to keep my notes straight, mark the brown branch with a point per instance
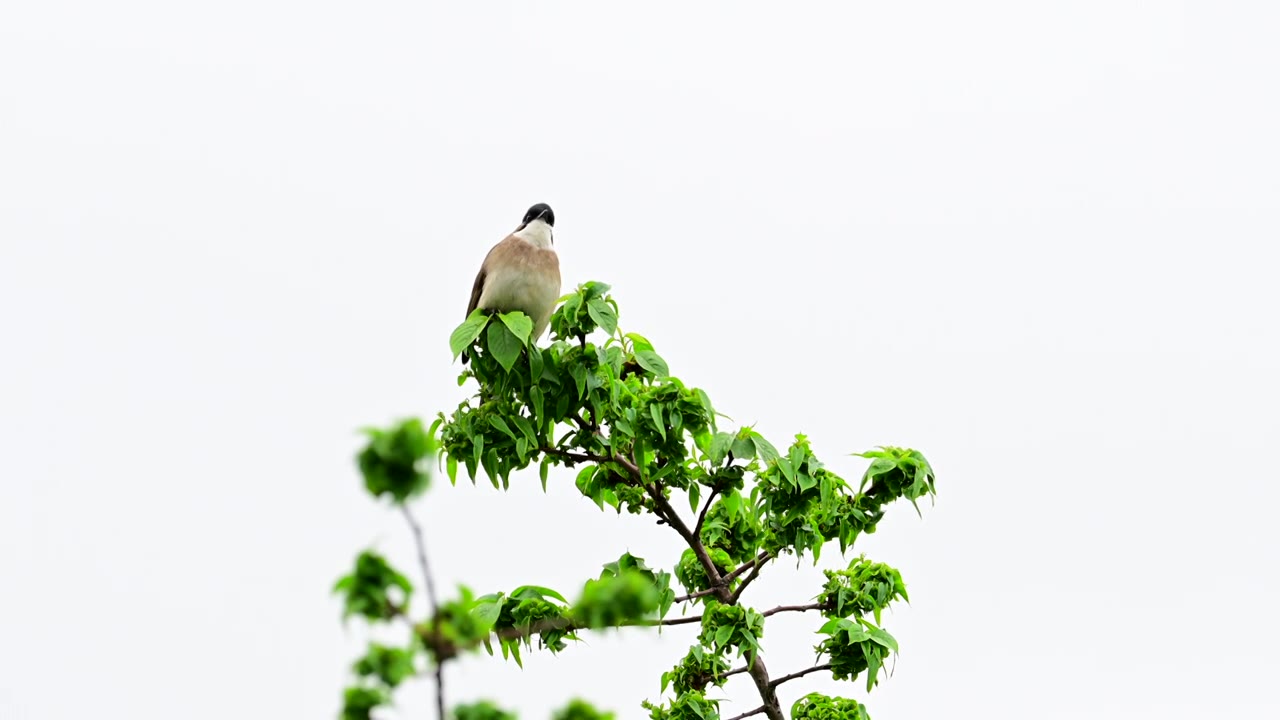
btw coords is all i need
(682, 621)
(421, 543)
(734, 671)
(764, 686)
(792, 608)
(749, 713)
(694, 596)
(719, 584)
(430, 588)
(702, 516)
(674, 520)
(755, 573)
(440, 690)
(747, 566)
(575, 457)
(802, 673)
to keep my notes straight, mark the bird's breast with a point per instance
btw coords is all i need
(521, 278)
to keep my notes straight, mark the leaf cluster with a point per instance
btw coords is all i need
(481, 710)
(389, 666)
(579, 709)
(394, 460)
(853, 646)
(373, 590)
(729, 627)
(699, 668)
(693, 575)
(816, 706)
(865, 587)
(692, 705)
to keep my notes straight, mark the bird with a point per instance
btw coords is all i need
(522, 272)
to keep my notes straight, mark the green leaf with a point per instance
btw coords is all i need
(477, 451)
(525, 591)
(705, 400)
(639, 342)
(519, 324)
(593, 289)
(695, 491)
(467, 332)
(603, 314)
(655, 411)
(488, 608)
(789, 472)
(500, 424)
(743, 447)
(526, 428)
(764, 448)
(535, 394)
(732, 502)
(542, 472)
(535, 363)
(796, 456)
(883, 638)
(720, 445)
(723, 633)
(649, 360)
(504, 346)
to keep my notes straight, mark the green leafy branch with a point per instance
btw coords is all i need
(642, 441)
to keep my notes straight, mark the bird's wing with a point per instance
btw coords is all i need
(476, 289)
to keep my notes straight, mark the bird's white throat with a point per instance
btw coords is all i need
(536, 233)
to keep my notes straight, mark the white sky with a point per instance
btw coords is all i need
(1034, 240)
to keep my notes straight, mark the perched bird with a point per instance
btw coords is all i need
(522, 272)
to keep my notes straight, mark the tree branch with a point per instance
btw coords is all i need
(575, 457)
(702, 516)
(760, 676)
(792, 608)
(430, 588)
(749, 713)
(421, 543)
(747, 566)
(755, 573)
(802, 673)
(662, 508)
(694, 596)
(681, 621)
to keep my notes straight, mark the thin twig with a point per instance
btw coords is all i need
(440, 690)
(694, 596)
(422, 556)
(421, 542)
(575, 457)
(734, 671)
(682, 621)
(748, 714)
(755, 573)
(702, 516)
(802, 673)
(590, 426)
(792, 608)
(747, 566)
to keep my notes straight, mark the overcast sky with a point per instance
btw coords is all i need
(1035, 240)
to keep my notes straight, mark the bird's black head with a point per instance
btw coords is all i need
(541, 210)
